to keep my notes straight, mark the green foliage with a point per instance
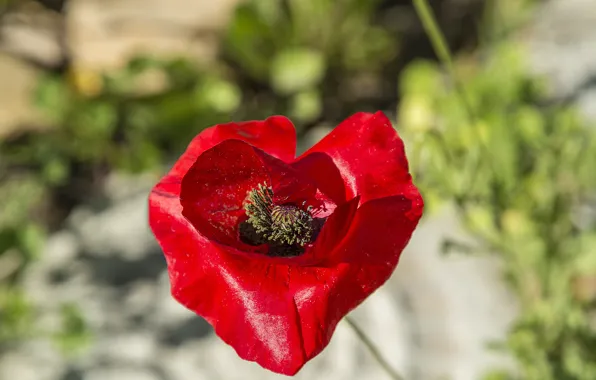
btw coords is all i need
(339, 31)
(21, 239)
(519, 171)
(128, 119)
(20, 235)
(19, 317)
(292, 46)
(15, 315)
(293, 70)
(74, 333)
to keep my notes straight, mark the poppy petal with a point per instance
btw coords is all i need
(258, 316)
(215, 187)
(370, 156)
(275, 135)
(364, 260)
(191, 258)
(321, 169)
(246, 301)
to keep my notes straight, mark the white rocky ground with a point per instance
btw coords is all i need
(432, 319)
(562, 46)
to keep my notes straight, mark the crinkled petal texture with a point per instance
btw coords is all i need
(282, 311)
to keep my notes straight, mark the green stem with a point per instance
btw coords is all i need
(439, 43)
(435, 35)
(374, 351)
(437, 39)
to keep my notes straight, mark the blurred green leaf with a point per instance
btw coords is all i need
(222, 96)
(52, 96)
(74, 334)
(249, 41)
(421, 78)
(306, 106)
(56, 171)
(293, 70)
(16, 316)
(31, 237)
(21, 195)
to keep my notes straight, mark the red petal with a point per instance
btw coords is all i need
(378, 233)
(215, 187)
(334, 230)
(300, 306)
(192, 259)
(258, 317)
(363, 261)
(321, 169)
(289, 185)
(280, 315)
(370, 157)
(275, 135)
(246, 301)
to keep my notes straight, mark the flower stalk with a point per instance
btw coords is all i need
(374, 351)
(439, 44)
(441, 48)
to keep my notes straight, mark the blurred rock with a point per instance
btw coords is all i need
(105, 34)
(131, 348)
(562, 45)
(33, 32)
(18, 81)
(587, 100)
(459, 303)
(139, 300)
(120, 373)
(121, 231)
(34, 361)
(120, 186)
(57, 266)
(19, 366)
(62, 248)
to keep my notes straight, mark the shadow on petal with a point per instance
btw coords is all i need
(321, 169)
(380, 230)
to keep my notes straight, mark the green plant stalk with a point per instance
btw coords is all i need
(374, 351)
(439, 43)
(435, 35)
(437, 39)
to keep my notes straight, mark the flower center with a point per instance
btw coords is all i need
(285, 227)
(291, 225)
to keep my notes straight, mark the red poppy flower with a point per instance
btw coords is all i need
(274, 250)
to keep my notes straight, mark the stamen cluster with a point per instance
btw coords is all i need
(280, 224)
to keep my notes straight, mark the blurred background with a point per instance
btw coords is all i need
(99, 97)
